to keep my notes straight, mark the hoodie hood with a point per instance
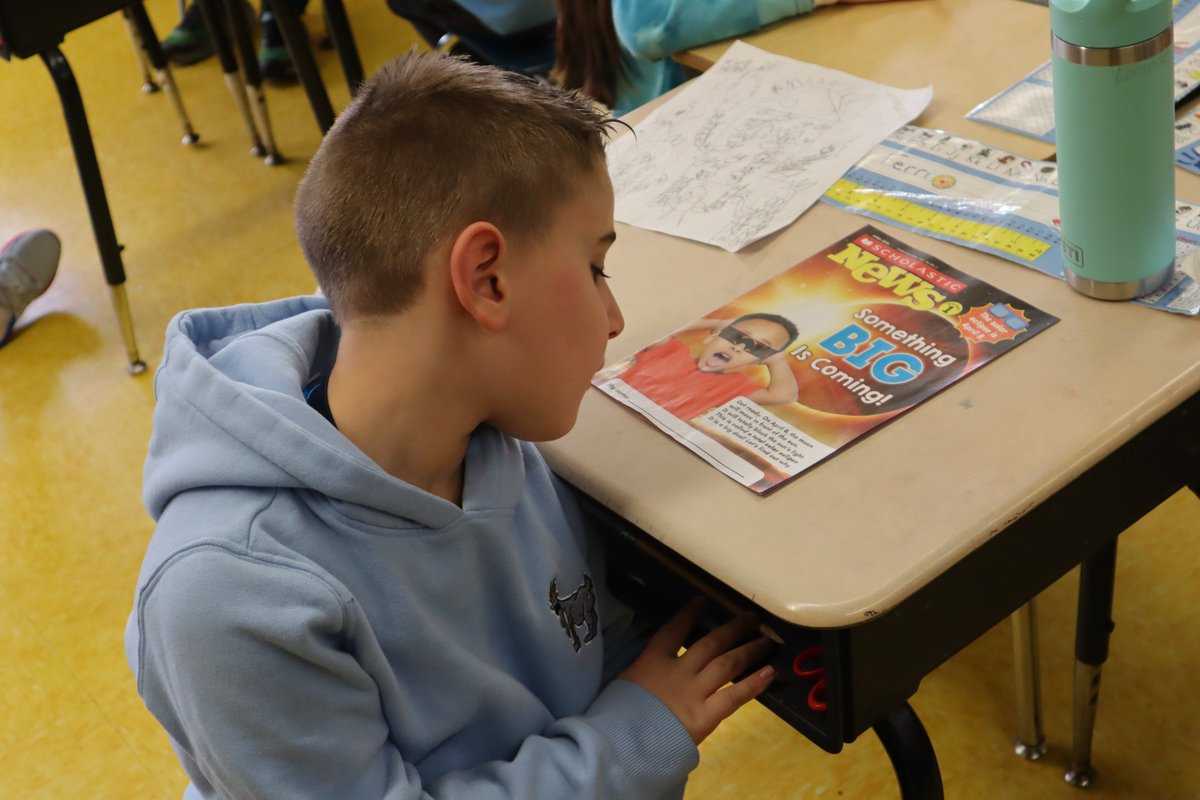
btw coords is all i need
(231, 413)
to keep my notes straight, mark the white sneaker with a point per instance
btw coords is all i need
(27, 266)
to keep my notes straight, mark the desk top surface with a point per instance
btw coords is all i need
(858, 533)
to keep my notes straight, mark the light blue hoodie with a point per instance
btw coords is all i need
(308, 626)
(651, 31)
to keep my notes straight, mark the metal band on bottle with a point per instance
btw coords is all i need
(1120, 290)
(1113, 56)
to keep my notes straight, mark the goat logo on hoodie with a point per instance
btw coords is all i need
(576, 609)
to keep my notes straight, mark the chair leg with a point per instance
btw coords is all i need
(1093, 625)
(1031, 741)
(296, 40)
(97, 201)
(214, 20)
(148, 84)
(343, 41)
(153, 52)
(243, 41)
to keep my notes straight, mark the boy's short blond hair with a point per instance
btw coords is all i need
(429, 145)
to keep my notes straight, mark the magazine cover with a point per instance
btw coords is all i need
(797, 368)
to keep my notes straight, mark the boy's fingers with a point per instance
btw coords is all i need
(721, 640)
(671, 636)
(733, 697)
(727, 666)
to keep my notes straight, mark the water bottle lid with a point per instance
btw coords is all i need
(1108, 23)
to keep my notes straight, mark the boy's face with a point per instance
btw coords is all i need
(564, 312)
(741, 344)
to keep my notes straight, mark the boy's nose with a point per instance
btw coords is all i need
(616, 320)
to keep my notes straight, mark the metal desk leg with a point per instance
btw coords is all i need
(214, 20)
(296, 39)
(243, 41)
(1093, 625)
(1031, 741)
(97, 201)
(148, 40)
(343, 41)
(912, 755)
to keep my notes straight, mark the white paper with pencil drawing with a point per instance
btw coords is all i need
(749, 145)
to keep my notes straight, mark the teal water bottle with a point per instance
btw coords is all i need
(1114, 117)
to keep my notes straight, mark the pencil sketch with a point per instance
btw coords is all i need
(750, 145)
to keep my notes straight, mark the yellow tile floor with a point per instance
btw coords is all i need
(212, 225)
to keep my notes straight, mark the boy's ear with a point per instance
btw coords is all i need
(479, 274)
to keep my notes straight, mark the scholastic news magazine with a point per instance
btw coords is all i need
(785, 375)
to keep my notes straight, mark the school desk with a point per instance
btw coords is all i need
(897, 552)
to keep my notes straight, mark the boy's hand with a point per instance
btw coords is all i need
(693, 685)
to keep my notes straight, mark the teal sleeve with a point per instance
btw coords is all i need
(774, 10)
(646, 80)
(656, 29)
(651, 31)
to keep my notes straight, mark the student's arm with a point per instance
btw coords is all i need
(696, 685)
(782, 387)
(266, 701)
(657, 29)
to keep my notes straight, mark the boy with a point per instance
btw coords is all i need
(361, 584)
(688, 386)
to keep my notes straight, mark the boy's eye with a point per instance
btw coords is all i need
(598, 273)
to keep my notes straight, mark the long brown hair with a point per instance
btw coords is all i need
(588, 54)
